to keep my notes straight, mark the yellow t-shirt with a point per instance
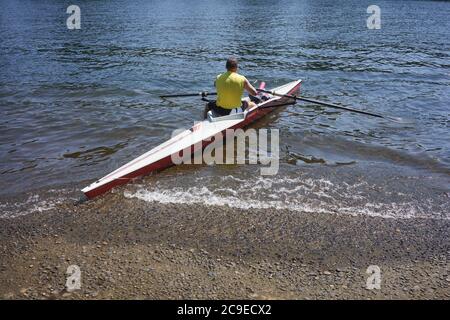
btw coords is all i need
(230, 87)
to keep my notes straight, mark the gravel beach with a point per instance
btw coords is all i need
(132, 249)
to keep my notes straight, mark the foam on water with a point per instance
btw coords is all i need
(33, 204)
(294, 194)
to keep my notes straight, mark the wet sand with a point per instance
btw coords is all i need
(131, 249)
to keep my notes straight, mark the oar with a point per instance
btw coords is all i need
(332, 105)
(201, 94)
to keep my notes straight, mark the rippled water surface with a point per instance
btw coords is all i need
(76, 104)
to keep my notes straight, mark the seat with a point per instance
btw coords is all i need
(213, 117)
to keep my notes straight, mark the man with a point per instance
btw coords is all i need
(230, 86)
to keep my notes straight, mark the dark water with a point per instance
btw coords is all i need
(76, 104)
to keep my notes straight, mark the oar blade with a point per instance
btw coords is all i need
(399, 120)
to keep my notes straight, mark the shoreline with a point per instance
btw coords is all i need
(131, 249)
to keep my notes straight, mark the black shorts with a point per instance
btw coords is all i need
(222, 111)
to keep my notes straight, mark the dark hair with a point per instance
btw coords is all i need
(231, 63)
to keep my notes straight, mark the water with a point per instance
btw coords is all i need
(77, 104)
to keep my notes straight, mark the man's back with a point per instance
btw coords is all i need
(230, 87)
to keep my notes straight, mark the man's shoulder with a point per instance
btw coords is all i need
(240, 76)
(233, 75)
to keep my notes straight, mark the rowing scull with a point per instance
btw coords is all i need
(160, 157)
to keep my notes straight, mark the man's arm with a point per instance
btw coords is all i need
(248, 86)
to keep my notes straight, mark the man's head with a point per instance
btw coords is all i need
(232, 64)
